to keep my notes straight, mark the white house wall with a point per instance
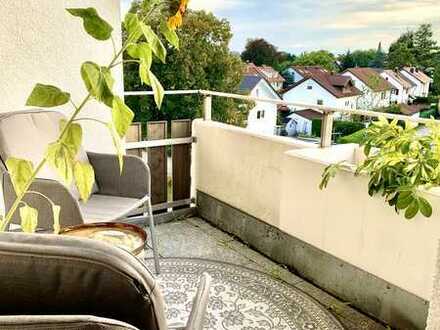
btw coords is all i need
(370, 99)
(403, 95)
(267, 124)
(42, 43)
(300, 94)
(421, 90)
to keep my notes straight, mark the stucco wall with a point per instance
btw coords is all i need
(267, 124)
(41, 42)
(241, 168)
(300, 94)
(265, 178)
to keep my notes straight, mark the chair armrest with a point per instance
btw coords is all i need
(70, 212)
(133, 182)
(198, 312)
(82, 322)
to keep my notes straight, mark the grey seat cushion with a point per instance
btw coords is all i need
(58, 275)
(26, 134)
(61, 322)
(103, 208)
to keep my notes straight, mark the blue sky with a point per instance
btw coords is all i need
(336, 25)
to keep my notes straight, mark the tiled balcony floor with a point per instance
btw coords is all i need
(195, 238)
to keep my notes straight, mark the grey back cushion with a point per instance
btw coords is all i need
(26, 134)
(57, 275)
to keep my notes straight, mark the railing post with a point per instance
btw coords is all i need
(326, 129)
(207, 107)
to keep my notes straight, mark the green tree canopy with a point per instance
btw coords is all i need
(358, 58)
(203, 61)
(414, 48)
(321, 57)
(259, 52)
(379, 58)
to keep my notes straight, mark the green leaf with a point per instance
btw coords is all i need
(99, 82)
(132, 26)
(72, 137)
(412, 210)
(122, 116)
(20, 171)
(47, 96)
(29, 219)
(93, 23)
(404, 199)
(425, 207)
(141, 51)
(84, 179)
(118, 145)
(157, 89)
(169, 34)
(156, 45)
(60, 157)
(56, 209)
(144, 73)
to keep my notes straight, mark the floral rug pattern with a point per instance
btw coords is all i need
(240, 298)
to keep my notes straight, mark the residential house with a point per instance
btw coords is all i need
(419, 78)
(268, 73)
(403, 87)
(263, 117)
(376, 91)
(321, 87)
(300, 122)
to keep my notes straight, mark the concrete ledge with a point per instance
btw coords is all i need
(368, 293)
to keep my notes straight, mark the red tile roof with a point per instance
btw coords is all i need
(309, 114)
(371, 78)
(268, 73)
(338, 85)
(418, 74)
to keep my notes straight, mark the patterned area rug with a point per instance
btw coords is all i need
(240, 298)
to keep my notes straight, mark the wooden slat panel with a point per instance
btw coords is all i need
(157, 160)
(134, 134)
(181, 160)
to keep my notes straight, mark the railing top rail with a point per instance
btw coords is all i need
(322, 108)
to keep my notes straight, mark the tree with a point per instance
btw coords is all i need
(436, 83)
(379, 58)
(400, 55)
(259, 52)
(321, 57)
(414, 48)
(346, 60)
(203, 61)
(425, 47)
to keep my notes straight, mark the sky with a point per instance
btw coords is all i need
(336, 25)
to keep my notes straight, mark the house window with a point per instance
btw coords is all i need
(260, 114)
(383, 95)
(347, 103)
(257, 92)
(397, 91)
(320, 102)
(309, 87)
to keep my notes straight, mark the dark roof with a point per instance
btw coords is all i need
(371, 78)
(249, 82)
(338, 85)
(413, 108)
(309, 114)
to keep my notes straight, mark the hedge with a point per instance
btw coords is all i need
(356, 137)
(340, 127)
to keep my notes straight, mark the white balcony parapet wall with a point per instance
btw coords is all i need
(346, 222)
(240, 167)
(42, 43)
(276, 180)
